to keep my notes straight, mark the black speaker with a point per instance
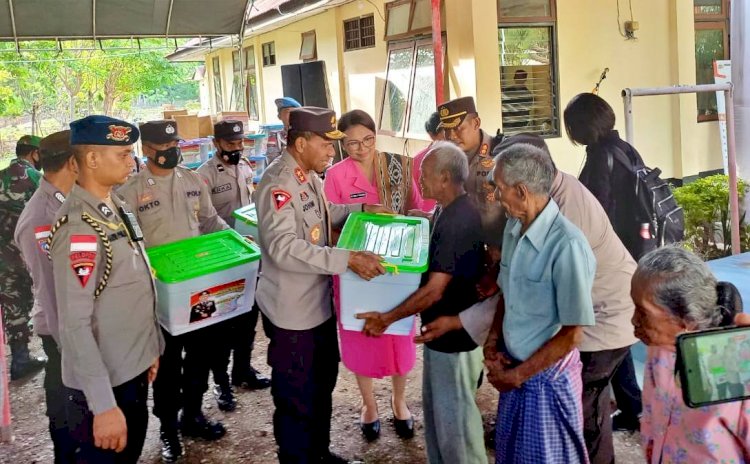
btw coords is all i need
(307, 83)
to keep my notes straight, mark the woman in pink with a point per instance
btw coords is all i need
(674, 292)
(369, 176)
(431, 126)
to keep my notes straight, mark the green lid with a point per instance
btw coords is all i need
(403, 241)
(198, 256)
(247, 214)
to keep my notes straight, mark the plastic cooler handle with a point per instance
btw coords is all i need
(392, 268)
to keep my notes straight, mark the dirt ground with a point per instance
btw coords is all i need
(250, 433)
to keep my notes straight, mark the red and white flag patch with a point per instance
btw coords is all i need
(41, 234)
(83, 256)
(280, 198)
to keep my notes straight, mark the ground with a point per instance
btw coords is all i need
(250, 434)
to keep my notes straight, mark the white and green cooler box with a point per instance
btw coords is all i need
(204, 280)
(403, 243)
(246, 220)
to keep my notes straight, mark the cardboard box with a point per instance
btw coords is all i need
(205, 126)
(187, 126)
(169, 114)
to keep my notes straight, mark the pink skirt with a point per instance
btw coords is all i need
(375, 357)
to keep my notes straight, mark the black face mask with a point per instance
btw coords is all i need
(231, 157)
(169, 158)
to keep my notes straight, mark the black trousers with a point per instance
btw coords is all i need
(626, 389)
(54, 392)
(599, 368)
(168, 384)
(236, 335)
(131, 398)
(305, 365)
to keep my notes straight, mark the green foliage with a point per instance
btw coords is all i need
(707, 221)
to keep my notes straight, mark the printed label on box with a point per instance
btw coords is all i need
(216, 301)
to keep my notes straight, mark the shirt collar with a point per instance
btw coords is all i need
(360, 181)
(50, 190)
(537, 232)
(97, 205)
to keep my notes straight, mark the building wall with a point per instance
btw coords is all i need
(666, 131)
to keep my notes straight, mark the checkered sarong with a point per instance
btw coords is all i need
(542, 422)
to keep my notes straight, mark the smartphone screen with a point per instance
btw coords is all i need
(714, 365)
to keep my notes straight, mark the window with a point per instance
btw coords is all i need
(409, 97)
(407, 18)
(359, 33)
(216, 69)
(528, 71)
(269, 54)
(238, 97)
(308, 51)
(251, 83)
(711, 43)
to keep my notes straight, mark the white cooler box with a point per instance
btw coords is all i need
(403, 243)
(204, 280)
(246, 221)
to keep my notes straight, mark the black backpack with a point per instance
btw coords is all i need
(657, 217)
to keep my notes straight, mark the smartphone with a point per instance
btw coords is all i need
(714, 365)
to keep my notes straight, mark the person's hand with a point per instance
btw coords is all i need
(365, 264)
(487, 286)
(111, 430)
(438, 328)
(501, 376)
(377, 209)
(250, 239)
(490, 347)
(153, 370)
(375, 323)
(419, 213)
(742, 319)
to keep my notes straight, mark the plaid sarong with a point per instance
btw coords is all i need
(543, 420)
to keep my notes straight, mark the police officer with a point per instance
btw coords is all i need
(230, 180)
(106, 299)
(284, 106)
(172, 203)
(462, 126)
(17, 184)
(295, 221)
(32, 231)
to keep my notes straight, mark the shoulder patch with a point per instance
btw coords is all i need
(83, 256)
(41, 234)
(280, 198)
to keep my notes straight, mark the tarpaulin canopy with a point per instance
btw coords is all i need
(22, 20)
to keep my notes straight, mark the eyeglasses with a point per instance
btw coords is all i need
(356, 145)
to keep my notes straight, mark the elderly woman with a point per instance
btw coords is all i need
(674, 292)
(370, 176)
(546, 276)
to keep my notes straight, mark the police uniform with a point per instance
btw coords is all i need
(231, 188)
(17, 184)
(31, 235)
(481, 163)
(294, 294)
(106, 302)
(170, 208)
(281, 103)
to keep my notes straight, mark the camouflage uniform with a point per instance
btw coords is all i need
(18, 182)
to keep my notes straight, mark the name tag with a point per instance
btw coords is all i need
(358, 195)
(148, 206)
(194, 193)
(221, 188)
(308, 206)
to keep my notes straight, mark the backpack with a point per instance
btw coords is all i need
(657, 217)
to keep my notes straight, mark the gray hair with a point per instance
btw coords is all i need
(450, 158)
(526, 164)
(683, 284)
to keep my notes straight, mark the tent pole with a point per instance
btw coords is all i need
(169, 18)
(437, 51)
(734, 204)
(93, 21)
(13, 24)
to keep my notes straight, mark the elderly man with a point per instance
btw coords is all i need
(546, 276)
(452, 362)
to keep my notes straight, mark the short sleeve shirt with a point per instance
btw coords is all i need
(455, 249)
(546, 276)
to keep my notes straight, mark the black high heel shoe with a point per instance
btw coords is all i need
(404, 427)
(371, 431)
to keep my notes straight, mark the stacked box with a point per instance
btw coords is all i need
(246, 220)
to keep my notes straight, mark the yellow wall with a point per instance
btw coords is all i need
(666, 131)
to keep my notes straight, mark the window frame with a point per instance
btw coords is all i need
(534, 22)
(249, 55)
(237, 94)
(703, 22)
(309, 56)
(216, 77)
(358, 21)
(410, 32)
(271, 55)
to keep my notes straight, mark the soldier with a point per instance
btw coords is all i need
(17, 184)
(172, 203)
(230, 180)
(32, 231)
(462, 126)
(106, 299)
(294, 292)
